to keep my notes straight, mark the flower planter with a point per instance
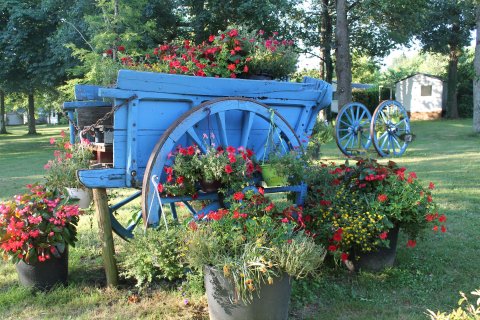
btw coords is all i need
(210, 186)
(83, 195)
(380, 259)
(223, 303)
(271, 177)
(44, 275)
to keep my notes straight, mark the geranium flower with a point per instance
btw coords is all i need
(211, 38)
(431, 186)
(442, 218)
(383, 235)
(382, 197)
(228, 169)
(411, 243)
(238, 196)
(444, 229)
(344, 256)
(332, 248)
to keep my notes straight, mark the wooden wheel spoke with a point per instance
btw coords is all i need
(192, 134)
(345, 136)
(220, 116)
(248, 118)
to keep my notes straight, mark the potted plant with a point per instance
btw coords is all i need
(35, 231)
(217, 170)
(61, 174)
(358, 212)
(284, 169)
(248, 253)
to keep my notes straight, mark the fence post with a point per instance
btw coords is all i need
(106, 236)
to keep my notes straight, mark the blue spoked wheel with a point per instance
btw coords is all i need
(234, 122)
(352, 129)
(390, 129)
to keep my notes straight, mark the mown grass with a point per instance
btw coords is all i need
(427, 277)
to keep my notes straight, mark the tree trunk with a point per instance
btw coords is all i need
(327, 41)
(3, 128)
(476, 80)
(31, 115)
(452, 106)
(198, 8)
(343, 64)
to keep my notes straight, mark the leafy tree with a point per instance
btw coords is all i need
(446, 30)
(364, 68)
(29, 63)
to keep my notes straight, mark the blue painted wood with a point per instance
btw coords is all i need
(86, 92)
(85, 104)
(352, 129)
(102, 178)
(162, 99)
(71, 121)
(390, 129)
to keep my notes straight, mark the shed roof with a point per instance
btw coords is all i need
(420, 73)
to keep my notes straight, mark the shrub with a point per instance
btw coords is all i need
(158, 254)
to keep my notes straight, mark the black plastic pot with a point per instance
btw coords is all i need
(380, 259)
(224, 304)
(44, 275)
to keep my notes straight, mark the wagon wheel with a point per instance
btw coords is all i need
(390, 129)
(234, 121)
(351, 129)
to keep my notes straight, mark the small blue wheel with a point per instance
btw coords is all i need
(390, 129)
(351, 129)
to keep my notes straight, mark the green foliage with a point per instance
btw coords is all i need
(364, 69)
(368, 97)
(322, 133)
(466, 74)
(465, 311)
(157, 254)
(62, 171)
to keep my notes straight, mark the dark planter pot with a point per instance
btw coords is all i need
(261, 76)
(223, 303)
(44, 275)
(210, 186)
(380, 259)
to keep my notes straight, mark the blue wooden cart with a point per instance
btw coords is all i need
(154, 113)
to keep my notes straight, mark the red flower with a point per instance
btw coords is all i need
(332, 248)
(444, 229)
(168, 170)
(412, 175)
(169, 178)
(228, 169)
(195, 196)
(231, 149)
(190, 150)
(261, 191)
(431, 186)
(284, 220)
(211, 38)
(192, 225)
(233, 33)
(68, 155)
(429, 217)
(411, 243)
(382, 198)
(249, 153)
(435, 228)
(121, 48)
(245, 69)
(344, 256)
(238, 196)
(269, 207)
(180, 180)
(383, 235)
(429, 198)
(325, 203)
(67, 145)
(337, 237)
(160, 188)
(232, 158)
(52, 140)
(231, 67)
(109, 52)
(442, 218)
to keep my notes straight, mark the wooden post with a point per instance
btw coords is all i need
(106, 236)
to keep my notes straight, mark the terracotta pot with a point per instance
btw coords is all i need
(223, 303)
(44, 275)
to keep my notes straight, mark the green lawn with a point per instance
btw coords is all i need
(427, 277)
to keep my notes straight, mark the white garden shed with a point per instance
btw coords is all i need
(422, 95)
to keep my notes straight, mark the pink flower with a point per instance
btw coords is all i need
(52, 140)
